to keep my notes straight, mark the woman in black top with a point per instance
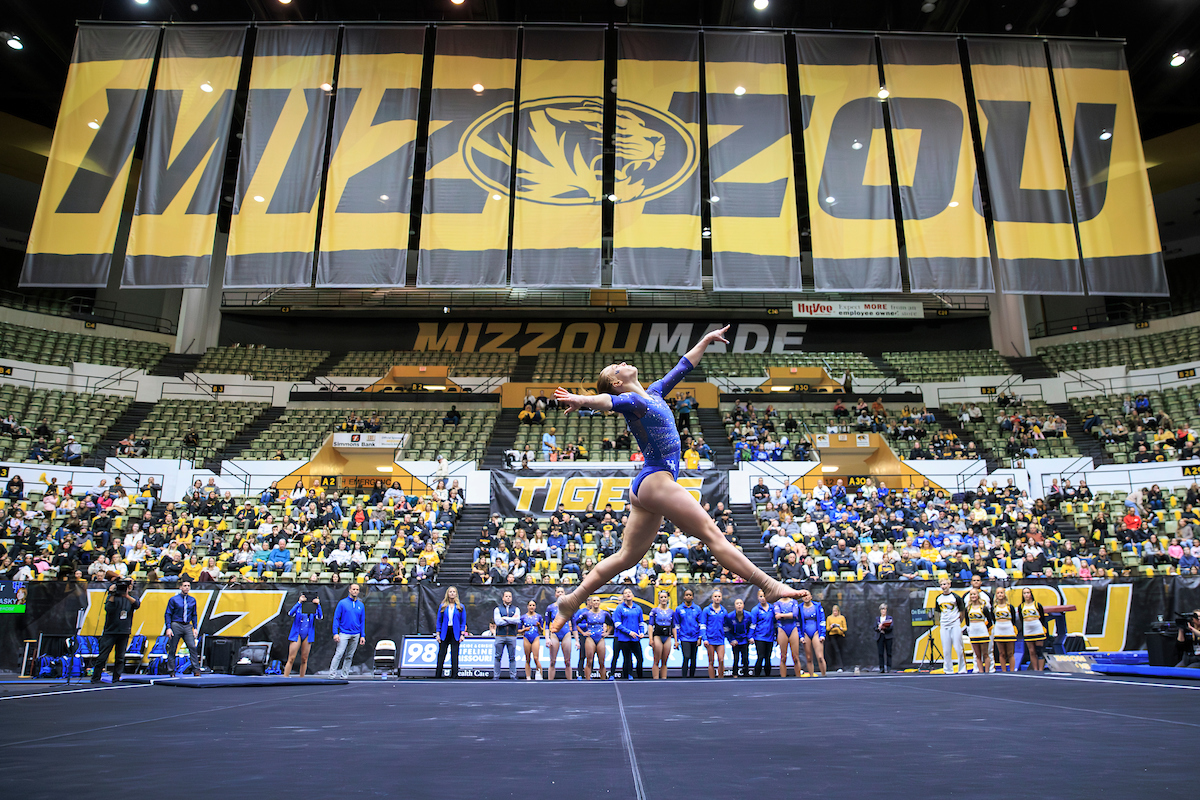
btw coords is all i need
(883, 637)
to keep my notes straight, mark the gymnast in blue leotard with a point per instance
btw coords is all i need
(593, 627)
(531, 627)
(654, 493)
(562, 640)
(787, 614)
(303, 633)
(812, 630)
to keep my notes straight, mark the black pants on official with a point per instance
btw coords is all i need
(833, 652)
(741, 653)
(762, 665)
(689, 659)
(631, 651)
(451, 644)
(108, 643)
(885, 653)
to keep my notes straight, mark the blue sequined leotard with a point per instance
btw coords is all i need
(653, 424)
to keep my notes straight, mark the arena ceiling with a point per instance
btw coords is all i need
(1154, 30)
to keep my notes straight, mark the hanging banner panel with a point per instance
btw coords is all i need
(849, 176)
(464, 221)
(368, 191)
(945, 237)
(175, 219)
(556, 230)
(75, 228)
(755, 238)
(1118, 230)
(1027, 180)
(274, 226)
(656, 220)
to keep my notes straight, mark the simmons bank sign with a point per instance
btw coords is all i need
(844, 309)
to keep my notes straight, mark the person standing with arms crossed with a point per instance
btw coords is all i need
(451, 628)
(182, 622)
(687, 633)
(507, 618)
(349, 629)
(118, 623)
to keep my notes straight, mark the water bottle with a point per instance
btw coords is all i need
(857, 671)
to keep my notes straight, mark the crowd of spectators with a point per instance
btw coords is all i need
(764, 436)
(46, 445)
(1150, 435)
(385, 536)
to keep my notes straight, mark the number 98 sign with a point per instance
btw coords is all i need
(419, 652)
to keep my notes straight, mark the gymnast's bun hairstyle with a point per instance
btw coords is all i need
(604, 384)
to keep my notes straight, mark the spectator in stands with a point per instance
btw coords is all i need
(279, 559)
(549, 444)
(40, 451)
(15, 488)
(383, 572)
(73, 452)
(453, 416)
(191, 439)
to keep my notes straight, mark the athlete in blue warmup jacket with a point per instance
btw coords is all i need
(763, 620)
(558, 641)
(302, 634)
(812, 620)
(738, 628)
(655, 493)
(687, 632)
(712, 621)
(627, 620)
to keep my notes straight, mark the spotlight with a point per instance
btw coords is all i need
(706, 234)
(285, 2)
(458, 2)
(714, 199)
(326, 87)
(612, 198)
(857, 145)
(477, 87)
(384, 197)
(1008, 26)
(929, 8)
(258, 198)
(1105, 135)
(12, 40)
(141, 2)
(495, 197)
(739, 91)
(761, 5)
(954, 204)
(1070, 3)
(830, 200)
(206, 87)
(1178, 59)
(446, 309)
(884, 94)
(94, 125)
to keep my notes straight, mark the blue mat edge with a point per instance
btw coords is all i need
(1148, 671)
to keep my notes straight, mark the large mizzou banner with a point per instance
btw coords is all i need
(75, 229)
(175, 219)
(559, 188)
(368, 195)
(274, 228)
(854, 242)
(755, 246)
(468, 166)
(540, 491)
(656, 220)
(1118, 233)
(522, 187)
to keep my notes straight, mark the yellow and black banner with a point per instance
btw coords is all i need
(468, 165)
(656, 219)
(273, 232)
(75, 228)
(175, 218)
(852, 220)
(755, 238)
(559, 191)
(1027, 179)
(945, 238)
(1118, 230)
(368, 191)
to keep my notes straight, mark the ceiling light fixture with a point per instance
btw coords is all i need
(761, 5)
(739, 91)
(12, 40)
(477, 87)
(326, 87)
(929, 8)
(458, 2)
(94, 125)
(141, 2)
(258, 198)
(1178, 59)
(1105, 135)
(857, 145)
(884, 94)
(206, 87)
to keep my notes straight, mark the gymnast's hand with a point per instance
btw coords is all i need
(567, 401)
(715, 336)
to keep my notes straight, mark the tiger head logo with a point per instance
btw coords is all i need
(561, 139)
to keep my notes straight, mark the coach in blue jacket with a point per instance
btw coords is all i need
(627, 622)
(451, 628)
(349, 631)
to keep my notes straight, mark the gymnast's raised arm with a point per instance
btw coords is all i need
(694, 355)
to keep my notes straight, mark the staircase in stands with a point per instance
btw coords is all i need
(713, 431)
(176, 365)
(504, 436)
(749, 532)
(455, 569)
(246, 436)
(523, 369)
(1088, 445)
(124, 426)
(1030, 367)
(950, 423)
(885, 367)
(332, 360)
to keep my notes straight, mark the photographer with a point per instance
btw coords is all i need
(118, 623)
(1189, 637)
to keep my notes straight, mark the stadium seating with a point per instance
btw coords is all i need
(987, 431)
(585, 367)
(947, 365)
(730, 365)
(1136, 352)
(87, 416)
(261, 363)
(217, 423)
(376, 363)
(62, 349)
(302, 430)
(573, 427)
(1181, 404)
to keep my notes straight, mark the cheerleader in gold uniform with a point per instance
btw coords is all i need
(1005, 631)
(979, 629)
(1034, 629)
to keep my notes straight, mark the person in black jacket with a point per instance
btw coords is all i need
(118, 623)
(789, 570)
(883, 637)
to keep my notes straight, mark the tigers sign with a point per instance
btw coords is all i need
(539, 492)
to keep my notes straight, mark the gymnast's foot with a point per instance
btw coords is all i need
(775, 591)
(567, 606)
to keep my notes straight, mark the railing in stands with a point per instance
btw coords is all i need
(231, 391)
(959, 395)
(1166, 378)
(1113, 313)
(70, 382)
(86, 309)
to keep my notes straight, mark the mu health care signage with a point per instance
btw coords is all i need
(875, 309)
(380, 440)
